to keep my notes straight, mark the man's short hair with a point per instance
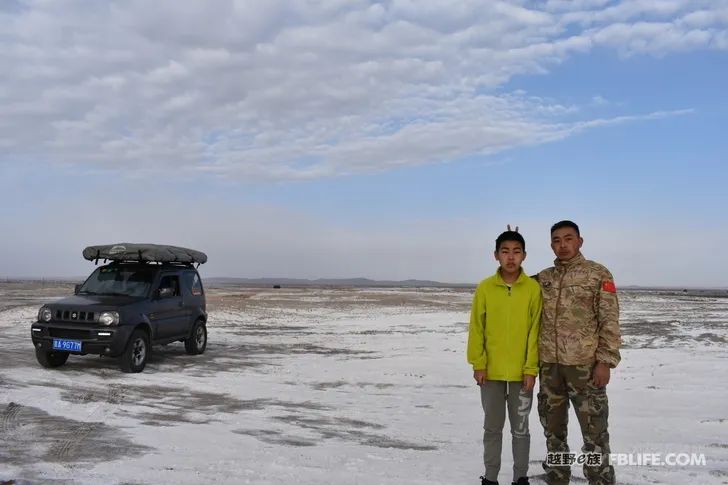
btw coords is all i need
(510, 236)
(563, 224)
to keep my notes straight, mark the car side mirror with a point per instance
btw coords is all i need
(76, 289)
(165, 293)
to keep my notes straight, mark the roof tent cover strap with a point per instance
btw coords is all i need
(144, 252)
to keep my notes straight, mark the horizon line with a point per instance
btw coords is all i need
(272, 280)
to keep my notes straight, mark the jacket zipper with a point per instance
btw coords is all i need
(508, 327)
(556, 316)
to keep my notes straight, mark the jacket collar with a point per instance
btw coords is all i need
(576, 260)
(521, 278)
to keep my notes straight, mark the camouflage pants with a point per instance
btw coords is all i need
(560, 384)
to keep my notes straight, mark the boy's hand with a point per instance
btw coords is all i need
(528, 382)
(514, 230)
(600, 374)
(480, 377)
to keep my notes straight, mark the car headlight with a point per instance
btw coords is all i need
(45, 314)
(109, 318)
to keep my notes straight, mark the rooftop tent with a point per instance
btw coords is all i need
(157, 253)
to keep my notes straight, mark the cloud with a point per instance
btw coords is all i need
(298, 89)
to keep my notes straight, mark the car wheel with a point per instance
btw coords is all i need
(135, 355)
(197, 341)
(50, 359)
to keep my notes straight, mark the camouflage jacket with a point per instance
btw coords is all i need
(580, 318)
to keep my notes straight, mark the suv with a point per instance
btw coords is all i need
(147, 295)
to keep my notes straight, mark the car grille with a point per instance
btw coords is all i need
(74, 316)
(69, 333)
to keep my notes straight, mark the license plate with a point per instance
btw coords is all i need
(67, 345)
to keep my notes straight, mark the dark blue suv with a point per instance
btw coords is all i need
(123, 309)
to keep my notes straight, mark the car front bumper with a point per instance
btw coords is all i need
(95, 339)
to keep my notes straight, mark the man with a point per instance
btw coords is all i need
(503, 350)
(578, 345)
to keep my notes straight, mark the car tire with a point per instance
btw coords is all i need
(50, 359)
(196, 343)
(136, 353)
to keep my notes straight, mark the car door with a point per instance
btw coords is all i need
(169, 312)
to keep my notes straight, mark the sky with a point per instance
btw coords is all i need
(352, 138)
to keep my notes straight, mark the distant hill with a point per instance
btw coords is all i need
(353, 282)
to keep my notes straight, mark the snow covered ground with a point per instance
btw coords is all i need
(356, 386)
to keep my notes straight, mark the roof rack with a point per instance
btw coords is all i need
(144, 253)
(150, 263)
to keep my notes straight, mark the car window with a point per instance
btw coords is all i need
(118, 280)
(170, 281)
(193, 283)
(138, 283)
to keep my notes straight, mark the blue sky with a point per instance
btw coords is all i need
(388, 140)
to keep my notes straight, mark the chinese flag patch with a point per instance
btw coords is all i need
(609, 286)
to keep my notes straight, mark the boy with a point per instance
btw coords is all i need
(503, 350)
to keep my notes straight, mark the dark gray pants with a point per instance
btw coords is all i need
(496, 396)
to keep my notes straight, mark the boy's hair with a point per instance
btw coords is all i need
(510, 236)
(562, 224)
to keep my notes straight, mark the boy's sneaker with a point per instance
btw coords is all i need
(485, 481)
(521, 481)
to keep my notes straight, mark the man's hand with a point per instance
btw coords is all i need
(514, 230)
(528, 382)
(600, 374)
(480, 377)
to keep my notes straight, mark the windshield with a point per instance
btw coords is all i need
(119, 280)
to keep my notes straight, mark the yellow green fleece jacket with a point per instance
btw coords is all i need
(504, 326)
